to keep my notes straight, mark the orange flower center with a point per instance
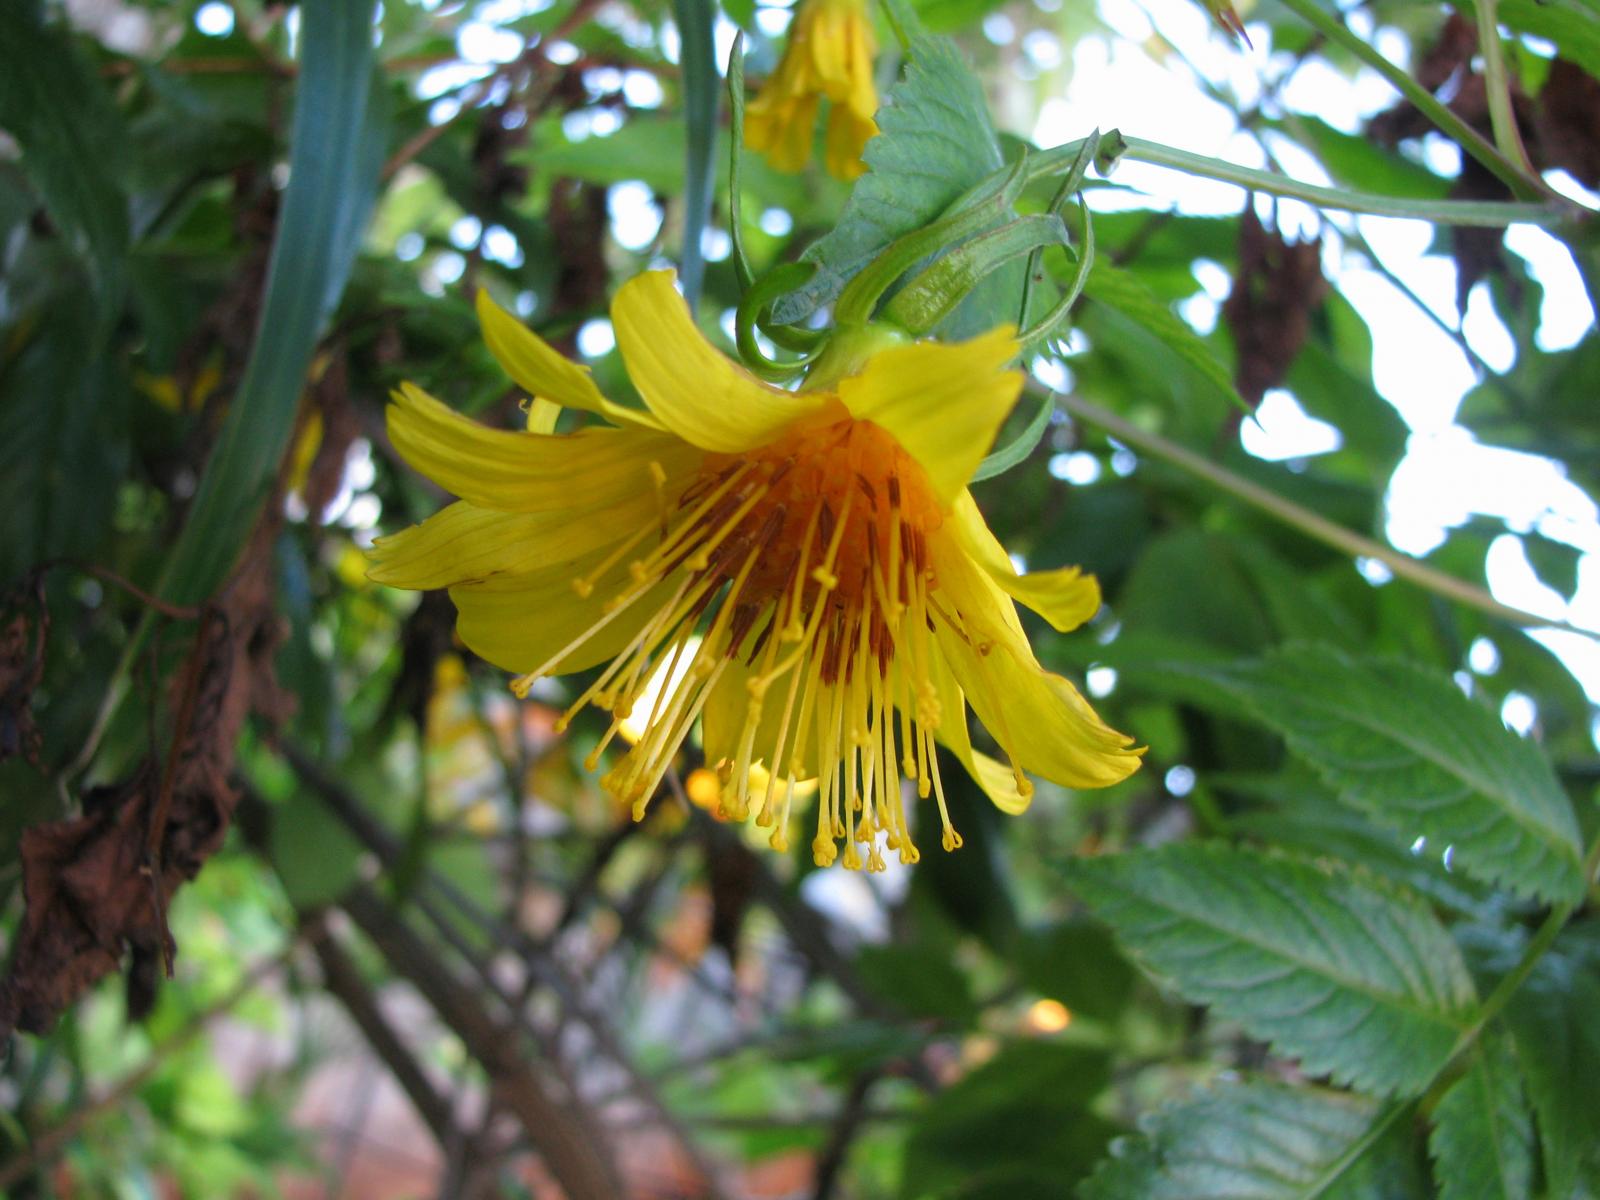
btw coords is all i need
(801, 567)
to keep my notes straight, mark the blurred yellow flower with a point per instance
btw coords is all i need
(813, 557)
(829, 55)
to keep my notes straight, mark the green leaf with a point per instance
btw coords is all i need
(1025, 1109)
(1482, 1141)
(1405, 746)
(336, 149)
(1306, 818)
(73, 144)
(317, 860)
(1125, 293)
(1261, 1141)
(1018, 448)
(1076, 963)
(919, 981)
(1552, 1019)
(935, 141)
(64, 430)
(1573, 25)
(700, 86)
(1320, 962)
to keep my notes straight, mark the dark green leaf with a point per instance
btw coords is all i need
(1261, 1141)
(1321, 963)
(1124, 293)
(1077, 963)
(1405, 746)
(1024, 1110)
(63, 440)
(73, 146)
(919, 981)
(1482, 1140)
(1552, 1018)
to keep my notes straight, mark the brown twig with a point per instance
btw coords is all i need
(845, 1127)
(342, 979)
(570, 1147)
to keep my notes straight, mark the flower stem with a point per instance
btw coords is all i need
(1501, 115)
(1311, 523)
(1553, 211)
(1521, 180)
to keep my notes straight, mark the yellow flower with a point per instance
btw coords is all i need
(829, 55)
(814, 556)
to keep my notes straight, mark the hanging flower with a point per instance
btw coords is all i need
(829, 55)
(813, 556)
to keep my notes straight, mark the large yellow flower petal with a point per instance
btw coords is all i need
(1065, 597)
(996, 779)
(1037, 717)
(526, 472)
(943, 403)
(519, 622)
(543, 372)
(693, 388)
(464, 543)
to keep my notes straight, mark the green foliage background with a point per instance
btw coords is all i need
(1338, 938)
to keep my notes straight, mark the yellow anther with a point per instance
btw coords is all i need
(583, 587)
(827, 580)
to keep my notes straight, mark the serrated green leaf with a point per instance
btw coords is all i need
(336, 149)
(1552, 1019)
(1250, 1141)
(1318, 961)
(73, 146)
(1405, 746)
(1307, 819)
(1125, 293)
(1482, 1140)
(935, 141)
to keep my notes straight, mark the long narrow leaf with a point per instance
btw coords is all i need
(700, 106)
(335, 153)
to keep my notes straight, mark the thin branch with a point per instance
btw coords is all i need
(570, 1145)
(342, 980)
(1312, 523)
(846, 1126)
